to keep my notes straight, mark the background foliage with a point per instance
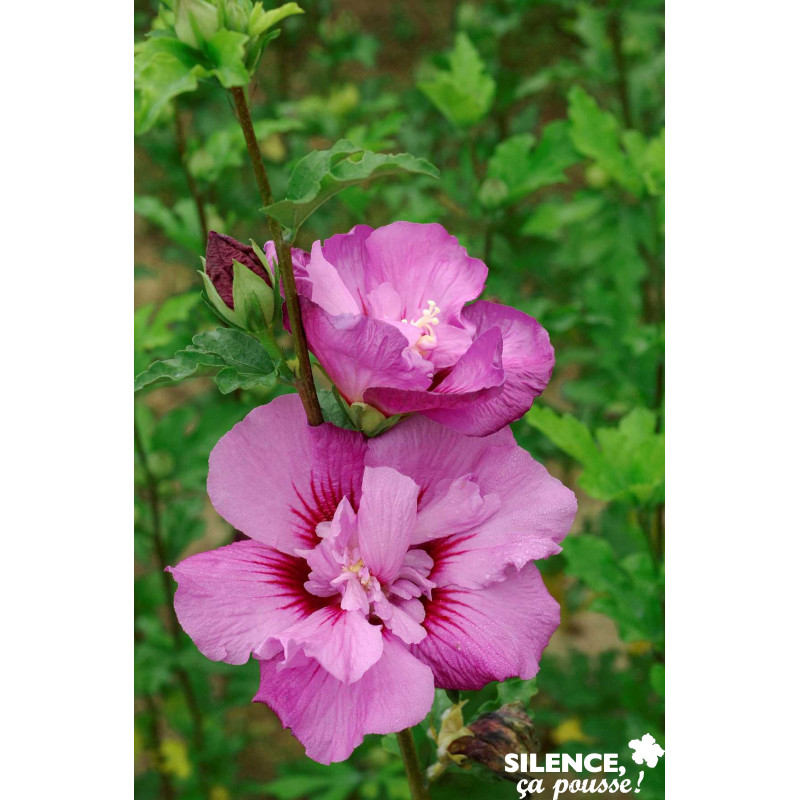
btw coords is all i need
(545, 120)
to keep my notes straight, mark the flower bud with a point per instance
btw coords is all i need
(237, 14)
(239, 282)
(196, 21)
(495, 735)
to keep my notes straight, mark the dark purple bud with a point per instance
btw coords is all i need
(221, 252)
(496, 734)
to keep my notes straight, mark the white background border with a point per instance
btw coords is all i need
(732, 396)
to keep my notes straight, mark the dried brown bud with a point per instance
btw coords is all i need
(495, 735)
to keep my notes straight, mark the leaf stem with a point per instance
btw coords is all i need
(305, 382)
(416, 780)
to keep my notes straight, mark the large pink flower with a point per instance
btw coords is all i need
(375, 569)
(385, 313)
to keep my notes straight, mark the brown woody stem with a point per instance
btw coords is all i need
(305, 381)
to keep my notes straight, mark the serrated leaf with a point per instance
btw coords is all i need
(629, 588)
(626, 462)
(549, 219)
(226, 51)
(163, 69)
(321, 174)
(518, 167)
(244, 361)
(261, 20)
(180, 223)
(463, 93)
(597, 134)
(182, 365)
(568, 433)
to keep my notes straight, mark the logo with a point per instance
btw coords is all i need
(645, 751)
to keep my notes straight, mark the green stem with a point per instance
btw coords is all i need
(180, 140)
(167, 789)
(416, 780)
(620, 62)
(305, 382)
(154, 501)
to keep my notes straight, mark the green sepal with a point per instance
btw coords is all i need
(253, 299)
(453, 695)
(219, 305)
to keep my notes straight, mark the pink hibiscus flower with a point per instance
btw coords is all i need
(376, 569)
(385, 313)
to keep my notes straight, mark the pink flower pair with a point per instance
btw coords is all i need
(379, 568)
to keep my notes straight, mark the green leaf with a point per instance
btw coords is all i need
(308, 779)
(629, 589)
(261, 20)
(453, 695)
(244, 361)
(517, 168)
(155, 330)
(333, 409)
(568, 433)
(225, 50)
(549, 219)
(181, 223)
(163, 69)
(321, 174)
(648, 157)
(463, 93)
(183, 364)
(597, 134)
(626, 462)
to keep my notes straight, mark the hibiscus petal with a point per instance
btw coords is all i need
(231, 600)
(404, 621)
(343, 642)
(347, 253)
(424, 262)
(527, 364)
(453, 507)
(496, 633)
(535, 509)
(358, 352)
(331, 718)
(280, 501)
(386, 520)
(327, 288)
(477, 373)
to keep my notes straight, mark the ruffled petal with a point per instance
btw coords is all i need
(231, 600)
(424, 262)
(331, 718)
(343, 642)
(280, 501)
(477, 373)
(386, 520)
(535, 509)
(527, 365)
(496, 633)
(453, 507)
(347, 253)
(327, 289)
(358, 352)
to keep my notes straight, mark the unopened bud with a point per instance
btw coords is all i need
(238, 282)
(196, 21)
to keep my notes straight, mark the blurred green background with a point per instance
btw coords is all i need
(546, 122)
